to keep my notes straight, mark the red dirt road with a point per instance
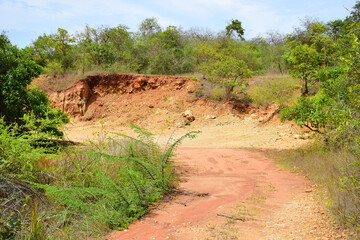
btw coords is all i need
(239, 183)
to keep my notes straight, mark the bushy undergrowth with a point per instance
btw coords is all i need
(19, 169)
(100, 186)
(277, 89)
(335, 169)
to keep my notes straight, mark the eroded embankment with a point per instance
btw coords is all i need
(76, 99)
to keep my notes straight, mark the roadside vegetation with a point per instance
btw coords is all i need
(48, 190)
(325, 58)
(51, 189)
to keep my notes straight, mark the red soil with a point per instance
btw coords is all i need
(229, 177)
(216, 176)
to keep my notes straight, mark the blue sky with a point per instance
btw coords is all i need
(25, 20)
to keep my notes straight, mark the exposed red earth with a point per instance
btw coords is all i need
(228, 188)
(233, 182)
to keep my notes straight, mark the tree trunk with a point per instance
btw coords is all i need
(325, 58)
(279, 65)
(306, 88)
(83, 62)
(64, 61)
(229, 90)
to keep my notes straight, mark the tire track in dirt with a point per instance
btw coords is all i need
(240, 183)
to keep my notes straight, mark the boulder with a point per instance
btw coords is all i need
(188, 116)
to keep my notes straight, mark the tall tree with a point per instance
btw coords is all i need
(149, 26)
(63, 42)
(20, 104)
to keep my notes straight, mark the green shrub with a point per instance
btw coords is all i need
(17, 99)
(19, 169)
(282, 90)
(112, 181)
(219, 93)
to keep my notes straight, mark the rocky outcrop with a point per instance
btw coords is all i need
(76, 99)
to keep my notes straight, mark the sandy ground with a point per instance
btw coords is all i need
(229, 189)
(227, 131)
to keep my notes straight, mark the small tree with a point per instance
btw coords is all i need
(229, 72)
(305, 62)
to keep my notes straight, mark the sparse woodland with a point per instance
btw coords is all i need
(46, 185)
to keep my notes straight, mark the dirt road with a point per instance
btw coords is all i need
(226, 191)
(227, 194)
(255, 197)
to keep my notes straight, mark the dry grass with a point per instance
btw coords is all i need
(335, 170)
(269, 89)
(56, 82)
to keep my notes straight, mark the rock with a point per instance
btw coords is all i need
(261, 119)
(179, 125)
(139, 83)
(189, 117)
(151, 106)
(253, 116)
(187, 113)
(210, 117)
(302, 136)
(306, 136)
(179, 83)
(153, 83)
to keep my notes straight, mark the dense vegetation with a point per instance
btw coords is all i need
(48, 190)
(152, 49)
(325, 57)
(41, 199)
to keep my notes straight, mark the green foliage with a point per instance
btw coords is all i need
(43, 50)
(19, 168)
(235, 26)
(149, 26)
(62, 41)
(17, 152)
(21, 104)
(218, 93)
(114, 181)
(229, 72)
(305, 62)
(151, 50)
(334, 109)
(16, 71)
(280, 90)
(308, 113)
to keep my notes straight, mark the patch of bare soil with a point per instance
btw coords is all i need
(226, 191)
(234, 194)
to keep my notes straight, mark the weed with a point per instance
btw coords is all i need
(336, 171)
(219, 93)
(113, 181)
(281, 90)
(100, 186)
